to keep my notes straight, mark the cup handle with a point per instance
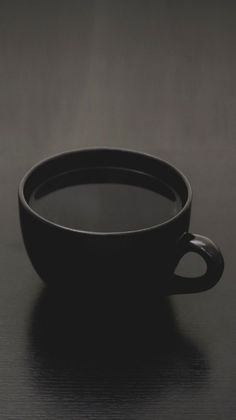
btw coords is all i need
(213, 258)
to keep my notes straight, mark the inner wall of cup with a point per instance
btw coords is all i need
(99, 158)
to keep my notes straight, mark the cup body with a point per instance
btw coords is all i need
(122, 264)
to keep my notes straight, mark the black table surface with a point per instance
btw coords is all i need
(158, 77)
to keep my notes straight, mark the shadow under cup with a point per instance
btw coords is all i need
(112, 223)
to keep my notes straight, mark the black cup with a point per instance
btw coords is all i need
(138, 264)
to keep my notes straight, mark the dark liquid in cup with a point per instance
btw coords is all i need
(105, 200)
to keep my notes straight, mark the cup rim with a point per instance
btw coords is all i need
(29, 209)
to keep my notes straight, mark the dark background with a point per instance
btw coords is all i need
(159, 77)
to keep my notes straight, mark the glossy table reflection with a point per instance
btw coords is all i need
(158, 77)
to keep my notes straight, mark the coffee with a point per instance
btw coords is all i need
(105, 200)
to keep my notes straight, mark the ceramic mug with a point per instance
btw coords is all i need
(139, 263)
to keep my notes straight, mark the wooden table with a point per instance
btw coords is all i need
(159, 77)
